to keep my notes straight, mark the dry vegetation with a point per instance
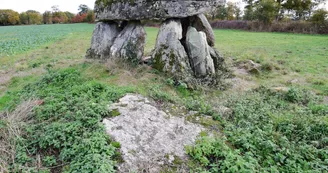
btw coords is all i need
(11, 130)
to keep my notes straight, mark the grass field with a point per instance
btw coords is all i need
(17, 39)
(267, 131)
(302, 57)
(295, 56)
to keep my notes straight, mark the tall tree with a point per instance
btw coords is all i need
(83, 9)
(59, 17)
(23, 17)
(266, 11)
(212, 13)
(47, 17)
(221, 13)
(238, 12)
(90, 16)
(249, 10)
(300, 8)
(320, 17)
(70, 16)
(230, 11)
(9, 17)
(34, 17)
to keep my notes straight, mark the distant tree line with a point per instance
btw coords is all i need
(268, 11)
(285, 15)
(55, 16)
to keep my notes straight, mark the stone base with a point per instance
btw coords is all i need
(149, 137)
(111, 41)
(103, 38)
(169, 55)
(185, 53)
(184, 48)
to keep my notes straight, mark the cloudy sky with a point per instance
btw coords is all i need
(64, 5)
(43, 5)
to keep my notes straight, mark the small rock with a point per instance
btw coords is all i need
(253, 64)
(171, 159)
(294, 81)
(223, 111)
(149, 132)
(146, 60)
(192, 113)
(254, 71)
(248, 65)
(325, 100)
(280, 89)
(315, 143)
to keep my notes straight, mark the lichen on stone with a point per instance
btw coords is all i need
(157, 62)
(107, 3)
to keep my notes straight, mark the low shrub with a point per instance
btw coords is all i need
(268, 132)
(65, 132)
(281, 26)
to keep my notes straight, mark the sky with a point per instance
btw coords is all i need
(43, 5)
(64, 5)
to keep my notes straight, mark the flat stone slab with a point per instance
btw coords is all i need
(149, 137)
(151, 9)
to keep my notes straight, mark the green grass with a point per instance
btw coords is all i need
(267, 131)
(296, 55)
(67, 127)
(17, 39)
(71, 43)
(151, 39)
(305, 53)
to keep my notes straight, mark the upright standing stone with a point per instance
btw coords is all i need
(184, 46)
(169, 55)
(197, 47)
(201, 23)
(218, 61)
(103, 38)
(129, 44)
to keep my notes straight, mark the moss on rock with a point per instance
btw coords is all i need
(107, 3)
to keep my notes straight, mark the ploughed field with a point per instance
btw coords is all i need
(277, 119)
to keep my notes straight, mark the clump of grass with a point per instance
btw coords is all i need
(268, 132)
(66, 133)
(158, 93)
(11, 130)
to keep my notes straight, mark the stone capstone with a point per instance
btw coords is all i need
(201, 23)
(184, 46)
(148, 136)
(103, 38)
(130, 43)
(151, 9)
(199, 53)
(169, 55)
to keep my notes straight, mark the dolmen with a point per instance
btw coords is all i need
(185, 43)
